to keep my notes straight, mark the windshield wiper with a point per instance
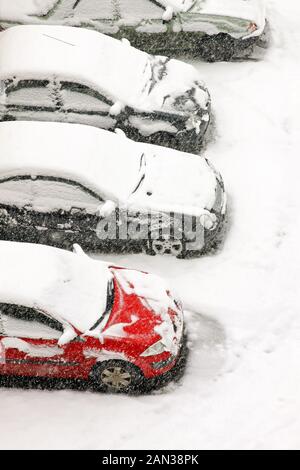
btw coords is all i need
(142, 163)
(76, 4)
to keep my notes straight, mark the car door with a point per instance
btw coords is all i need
(24, 99)
(16, 197)
(66, 211)
(29, 345)
(83, 105)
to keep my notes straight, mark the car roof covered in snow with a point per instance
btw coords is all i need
(110, 66)
(99, 160)
(11, 9)
(177, 5)
(110, 165)
(70, 287)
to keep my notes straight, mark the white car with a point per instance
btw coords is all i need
(67, 183)
(59, 73)
(212, 29)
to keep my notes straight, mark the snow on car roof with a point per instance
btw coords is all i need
(108, 164)
(177, 5)
(99, 160)
(12, 9)
(110, 66)
(70, 287)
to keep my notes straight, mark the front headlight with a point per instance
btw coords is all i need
(156, 348)
(208, 221)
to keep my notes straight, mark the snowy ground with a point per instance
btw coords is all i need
(242, 386)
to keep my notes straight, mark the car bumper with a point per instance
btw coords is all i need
(174, 373)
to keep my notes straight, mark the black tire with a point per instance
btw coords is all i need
(117, 376)
(220, 47)
(7, 117)
(152, 248)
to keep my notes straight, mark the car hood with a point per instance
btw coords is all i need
(166, 93)
(144, 308)
(251, 10)
(165, 189)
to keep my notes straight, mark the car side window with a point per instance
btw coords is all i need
(51, 195)
(29, 93)
(77, 97)
(22, 322)
(16, 192)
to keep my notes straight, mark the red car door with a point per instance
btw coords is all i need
(29, 346)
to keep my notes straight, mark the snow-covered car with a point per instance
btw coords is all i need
(59, 73)
(64, 315)
(63, 183)
(212, 29)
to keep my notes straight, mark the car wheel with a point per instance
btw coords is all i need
(7, 117)
(167, 246)
(217, 48)
(117, 376)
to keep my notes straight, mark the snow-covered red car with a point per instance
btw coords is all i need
(59, 73)
(64, 315)
(212, 29)
(62, 184)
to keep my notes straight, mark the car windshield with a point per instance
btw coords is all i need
(155, 71)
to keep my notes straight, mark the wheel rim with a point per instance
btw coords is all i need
(116, 377)
(161, 247)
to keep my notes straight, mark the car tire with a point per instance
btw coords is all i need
(220, 47)
(117, 376)
(163, 246)
(7, 117)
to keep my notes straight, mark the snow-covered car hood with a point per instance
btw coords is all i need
(162, 86)
(251, 10)
(190, 191)
(156, 296)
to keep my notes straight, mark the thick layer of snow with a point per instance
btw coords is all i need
(14, 10)
(111, 67)
(99, 160)
(71, 288)
(250, 10)
(242, 386)
(177, 5)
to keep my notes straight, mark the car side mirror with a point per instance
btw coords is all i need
(106, 209)
(68, 335)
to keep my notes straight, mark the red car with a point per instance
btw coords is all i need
(64, 315)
